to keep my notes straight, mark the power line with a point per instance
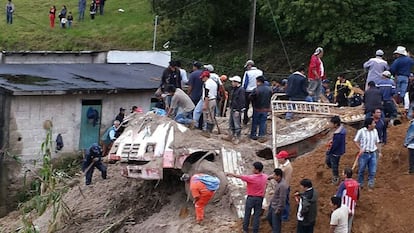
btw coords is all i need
(280, 36)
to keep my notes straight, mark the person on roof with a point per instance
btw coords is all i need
(343, 91)
(202, 188)
(316, 74)
(375, 67)
(249, 84)
(93, 159)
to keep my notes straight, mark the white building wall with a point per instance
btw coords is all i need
(27, 114)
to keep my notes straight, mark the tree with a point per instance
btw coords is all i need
(335, 22)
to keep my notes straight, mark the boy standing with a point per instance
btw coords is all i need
(237, 107)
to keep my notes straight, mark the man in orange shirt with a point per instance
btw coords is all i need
(202, 188)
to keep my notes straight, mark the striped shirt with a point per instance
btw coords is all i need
(367, 139)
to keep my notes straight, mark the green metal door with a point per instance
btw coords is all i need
(89, 128)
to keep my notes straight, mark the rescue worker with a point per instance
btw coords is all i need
(202, 188)
(93, 159)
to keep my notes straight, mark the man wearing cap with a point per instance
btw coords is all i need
(260, 97)
(401, 69)
(220, 91)
(109, 137)
(286, 166)
(256, 187)
(249, 84)
(375, 67)
(202, 188)
(237, 105)
(207, 103)
(387, 88)
(343, 91)
(183, 104)
(297, 88)
(93, 159)
(316, 73)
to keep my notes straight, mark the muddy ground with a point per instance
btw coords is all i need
(125, 205)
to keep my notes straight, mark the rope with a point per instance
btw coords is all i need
(280, 36)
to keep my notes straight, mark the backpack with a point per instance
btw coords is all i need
(212, 183)
(105, 137)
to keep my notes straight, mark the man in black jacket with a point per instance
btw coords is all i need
(93, 159)
(237, 106)
(260, 97)
(297, 88)
(307, 207)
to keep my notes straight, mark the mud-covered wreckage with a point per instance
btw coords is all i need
(151, 143)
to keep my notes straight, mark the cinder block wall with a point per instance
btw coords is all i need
(27, 114)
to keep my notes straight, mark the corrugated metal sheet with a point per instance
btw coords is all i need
(232, 163)
(52, 79)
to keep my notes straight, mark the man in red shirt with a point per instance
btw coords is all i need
(316, 73)
(256, 187)
(202, 188)
(348, 191)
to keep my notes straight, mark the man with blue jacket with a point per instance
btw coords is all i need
(337, 147)
(401, 69)
(93, 159)
(409, 143)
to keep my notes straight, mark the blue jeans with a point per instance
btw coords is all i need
(254, 203)
(100, 166)
(402, 84)
(235, 122)
(333, 162)
(184, 118)
(286, 210)
(81, 13)
(9, 17)
(315, 89)
(275, 220)
(259, 119)
(367, 160)
(198, 110)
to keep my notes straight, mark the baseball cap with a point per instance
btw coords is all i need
(209, 67)
(197, 64)
(326, 81)
(282, 155)
(318, 50)
(249, 62)
(235, 78)
(205, 73)
(386, 74)
(379, 52)
(121, 109)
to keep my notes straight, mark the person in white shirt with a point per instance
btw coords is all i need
(367, 141)
(339, 217)
(249, 84)
(208, 96)
(375, 67)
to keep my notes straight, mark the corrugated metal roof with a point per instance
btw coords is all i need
(52, 79)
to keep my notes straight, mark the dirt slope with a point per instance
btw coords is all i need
(142, 206)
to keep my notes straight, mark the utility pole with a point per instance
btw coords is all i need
(155, 32)
(251, 30)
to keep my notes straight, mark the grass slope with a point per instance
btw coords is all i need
(132, 29)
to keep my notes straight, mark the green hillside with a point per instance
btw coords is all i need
(131, 29)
